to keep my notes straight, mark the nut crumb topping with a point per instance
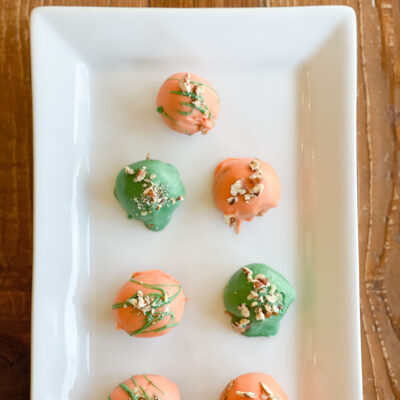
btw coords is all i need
(259, 314)
(129, 170)
(229, 219)
(198, 89)
(256, 177)
(244, 310)
(141, 174)
(180, 198)
(249, 395)
(232, 200)
(241, 326)
(238, 188)
(255, 164)
(257, 189)
(184, 83)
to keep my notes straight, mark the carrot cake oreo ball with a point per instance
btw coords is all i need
(188, 103)
(150, 304)
(253, 386)
(257, 297)
(245, 188)
(146, 387)
(150, 191)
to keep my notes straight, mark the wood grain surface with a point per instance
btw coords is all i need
(378, 186)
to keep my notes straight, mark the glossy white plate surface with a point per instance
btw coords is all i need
(287, 79)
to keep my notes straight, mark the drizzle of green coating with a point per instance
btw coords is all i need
(158, 302)
(128, 391)
(193, 96)
(109, 398)
(162, 112)
(167, 180)
(200, 84)
(236, 293)
(153, 384)
(134, 381)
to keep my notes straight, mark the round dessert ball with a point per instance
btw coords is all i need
(150, 304)
(146, 387)
(257, 297)
(245, 188)
(150, 191)
(188, 103)
(254, 385)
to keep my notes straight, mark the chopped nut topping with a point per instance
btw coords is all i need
(271, 298)
(172, 200)
(252, 295)
(129, 170)
(275, 309)
(253, 304)
(229, 219)
(238, 188)
(133, 302)
(255, 164)
(184, 83)
(261, 213)
(153, 176)
(257, 189)
(197, 103)
(198, 89)
(256, 177)
(248, 197)
(232, 200)
(241, 326)
(143, 213)
(180, 198)
(266, 389)
(249, 274)
(141, 174)
(259, 314)
(149, 192)
(148, 156)
(263, 279)
(249, 395)
(244, 310)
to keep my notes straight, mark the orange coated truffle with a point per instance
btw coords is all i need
(253, 386)
(245, 188)
(150, 304)
(146, 387)
(188, 103)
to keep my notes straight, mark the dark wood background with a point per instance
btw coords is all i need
(378, 172)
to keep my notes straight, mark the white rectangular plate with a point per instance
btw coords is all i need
(287, 79)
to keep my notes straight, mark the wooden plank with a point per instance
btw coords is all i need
(378, 174)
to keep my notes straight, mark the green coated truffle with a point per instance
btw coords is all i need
(150, 191)
(258, 297)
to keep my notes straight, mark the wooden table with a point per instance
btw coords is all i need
(378, 172)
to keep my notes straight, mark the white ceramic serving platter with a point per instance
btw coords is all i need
(287, 79)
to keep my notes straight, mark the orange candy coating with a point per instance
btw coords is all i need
(170, 106)
(233, 169)
(252, 382)
(131, 319)
(155, 386)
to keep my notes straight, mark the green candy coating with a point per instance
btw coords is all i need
(238, 289)
(163, 180)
